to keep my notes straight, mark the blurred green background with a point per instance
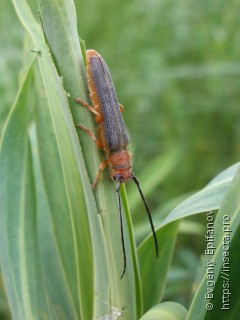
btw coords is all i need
(177, 72)
(176, 69)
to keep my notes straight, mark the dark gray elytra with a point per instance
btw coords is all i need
(114, 129)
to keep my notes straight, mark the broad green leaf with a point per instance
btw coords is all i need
(64, 242)
(209, 198)
(62, 38)
(154, 270)
(63, 225)
(20, 258)
(166, 311)
(67, 55)
(230, 214)
(152, 290)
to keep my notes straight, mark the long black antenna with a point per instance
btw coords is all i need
(148, 212)
(121, 225)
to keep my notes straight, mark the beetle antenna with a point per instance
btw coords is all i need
(148, 212)
(121, 225)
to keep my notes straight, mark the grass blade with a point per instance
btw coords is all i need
(230, 208)
(20, 259)
(153, 268)
(62, 38)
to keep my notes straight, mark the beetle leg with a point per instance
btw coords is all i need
(101, 168)
(91, 134)
(90, 108)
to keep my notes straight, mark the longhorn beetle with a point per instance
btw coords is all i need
(113, 137)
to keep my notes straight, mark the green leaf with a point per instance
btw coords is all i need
(154, 270)
(64, 226)
(206, 199)
(226, 228)
(64, 243)
(62, 38)
(209, 198)
(21, 264)
(166, 311)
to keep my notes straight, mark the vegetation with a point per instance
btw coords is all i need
(175, 66)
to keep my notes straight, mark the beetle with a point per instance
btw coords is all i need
(113, 136)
